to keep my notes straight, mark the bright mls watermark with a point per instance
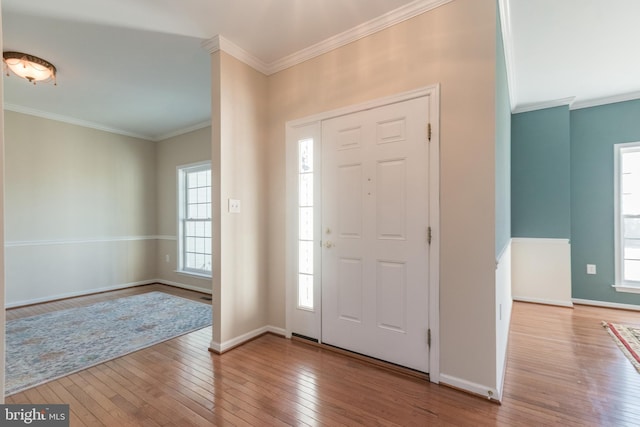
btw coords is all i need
(34, 415)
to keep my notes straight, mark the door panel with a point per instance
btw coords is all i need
(374, 222)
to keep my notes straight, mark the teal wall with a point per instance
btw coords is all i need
(503, 148)
(540, 178)
(562, 186)
(594, 131)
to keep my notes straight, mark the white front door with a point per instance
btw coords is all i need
(375, 217)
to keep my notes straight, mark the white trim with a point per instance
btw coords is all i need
(475, 388)
(403, 13)
(543, 105)
(573, 104)
(215, 346)
(181, 175)
(596, 102)
(97, 126)
(107, 289)
(183, 286)
(606, 304)
(361, 31)
(300, 320)
(241, 339)
(20, 243)
(182, 131)
(193, 274)
(165, 237)
(540, 241)
(219, 43)
(541, 270)
(628, 289)
(620, 283)
(544, 301)
(434, 248)
(78, 293)
(617, 230)
(507, 41)
(504, 309)
(73, 121)
(433, 92)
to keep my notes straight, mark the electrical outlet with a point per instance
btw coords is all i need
(591, 269)
(167, 258)
(234, 206)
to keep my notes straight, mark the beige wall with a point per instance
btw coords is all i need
(192, 147)
(240, 99)
(453, 45)
(2, 268)
(80, 209)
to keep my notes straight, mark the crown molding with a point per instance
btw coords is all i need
(219, 43)
(542, 105)
(403, 13)
(361, 31)
(596, 102)
(577, 105)
(507, 42)
(96, 126)
(72, 121)
(182, 131)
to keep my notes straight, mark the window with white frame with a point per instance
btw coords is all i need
(305, 218)
(194, 219)
(627, 221)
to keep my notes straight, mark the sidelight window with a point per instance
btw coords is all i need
(305, 221)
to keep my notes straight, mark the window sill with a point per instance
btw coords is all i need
(627, 288)
(193, 274)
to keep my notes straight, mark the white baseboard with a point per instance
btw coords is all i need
(77, 294)
(103, 289)
(478, 389)
(544, 301)
(183, 286)
(606, 304)
(238, 341)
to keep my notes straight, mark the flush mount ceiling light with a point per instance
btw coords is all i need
(29, 67)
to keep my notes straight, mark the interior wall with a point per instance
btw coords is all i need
(541, 174)
(563, 201)
(2, 264)
(80, 209)
(541, 206)
(594, 131)
(243, 280)
(503, 146)
(503, 302)
(172, 153)
(454, 45)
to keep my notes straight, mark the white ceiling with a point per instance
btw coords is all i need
(575, 52)
(138, 67)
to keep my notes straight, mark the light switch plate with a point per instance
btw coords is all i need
(234, 206)
(591, 269)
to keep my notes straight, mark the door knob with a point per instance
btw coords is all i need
(328, 245)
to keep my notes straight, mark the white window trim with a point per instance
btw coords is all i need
(180, 174)
(621, 285)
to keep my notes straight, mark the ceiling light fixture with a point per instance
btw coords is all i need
(29, 67)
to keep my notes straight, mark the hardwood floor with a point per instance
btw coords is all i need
(563, 369)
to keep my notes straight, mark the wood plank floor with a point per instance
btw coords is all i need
(563, 369)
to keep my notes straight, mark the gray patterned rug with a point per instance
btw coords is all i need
(49, 346)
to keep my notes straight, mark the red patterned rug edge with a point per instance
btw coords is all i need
(621, 341)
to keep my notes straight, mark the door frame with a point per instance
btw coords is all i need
(292, 129)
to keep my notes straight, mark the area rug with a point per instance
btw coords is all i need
(49, 346)
(628, 339)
